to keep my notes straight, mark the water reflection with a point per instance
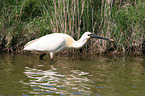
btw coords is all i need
(26, 75)
(50, 81)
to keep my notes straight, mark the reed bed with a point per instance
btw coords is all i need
(121, 20)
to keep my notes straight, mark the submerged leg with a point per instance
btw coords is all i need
(51, 62)
(41, 56)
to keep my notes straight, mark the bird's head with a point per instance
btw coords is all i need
(89, 35)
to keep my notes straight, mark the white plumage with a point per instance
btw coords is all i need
(57, 42)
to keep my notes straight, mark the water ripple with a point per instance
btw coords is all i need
(51, 82)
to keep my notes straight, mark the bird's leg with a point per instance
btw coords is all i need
(51, 56)
(41, 56)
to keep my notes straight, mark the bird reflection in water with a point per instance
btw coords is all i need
(51, 82)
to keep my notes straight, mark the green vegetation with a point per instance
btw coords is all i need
(122, 20)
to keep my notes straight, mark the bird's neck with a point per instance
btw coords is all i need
(78, 44)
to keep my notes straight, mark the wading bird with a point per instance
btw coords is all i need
(57, 42)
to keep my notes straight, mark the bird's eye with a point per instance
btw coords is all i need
(88, 34)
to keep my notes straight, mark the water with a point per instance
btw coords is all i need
(26, 75)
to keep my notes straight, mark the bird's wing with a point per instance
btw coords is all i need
(50, 44)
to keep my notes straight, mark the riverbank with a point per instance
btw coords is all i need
(123, 21)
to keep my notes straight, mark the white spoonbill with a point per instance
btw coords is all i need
(57, 42)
